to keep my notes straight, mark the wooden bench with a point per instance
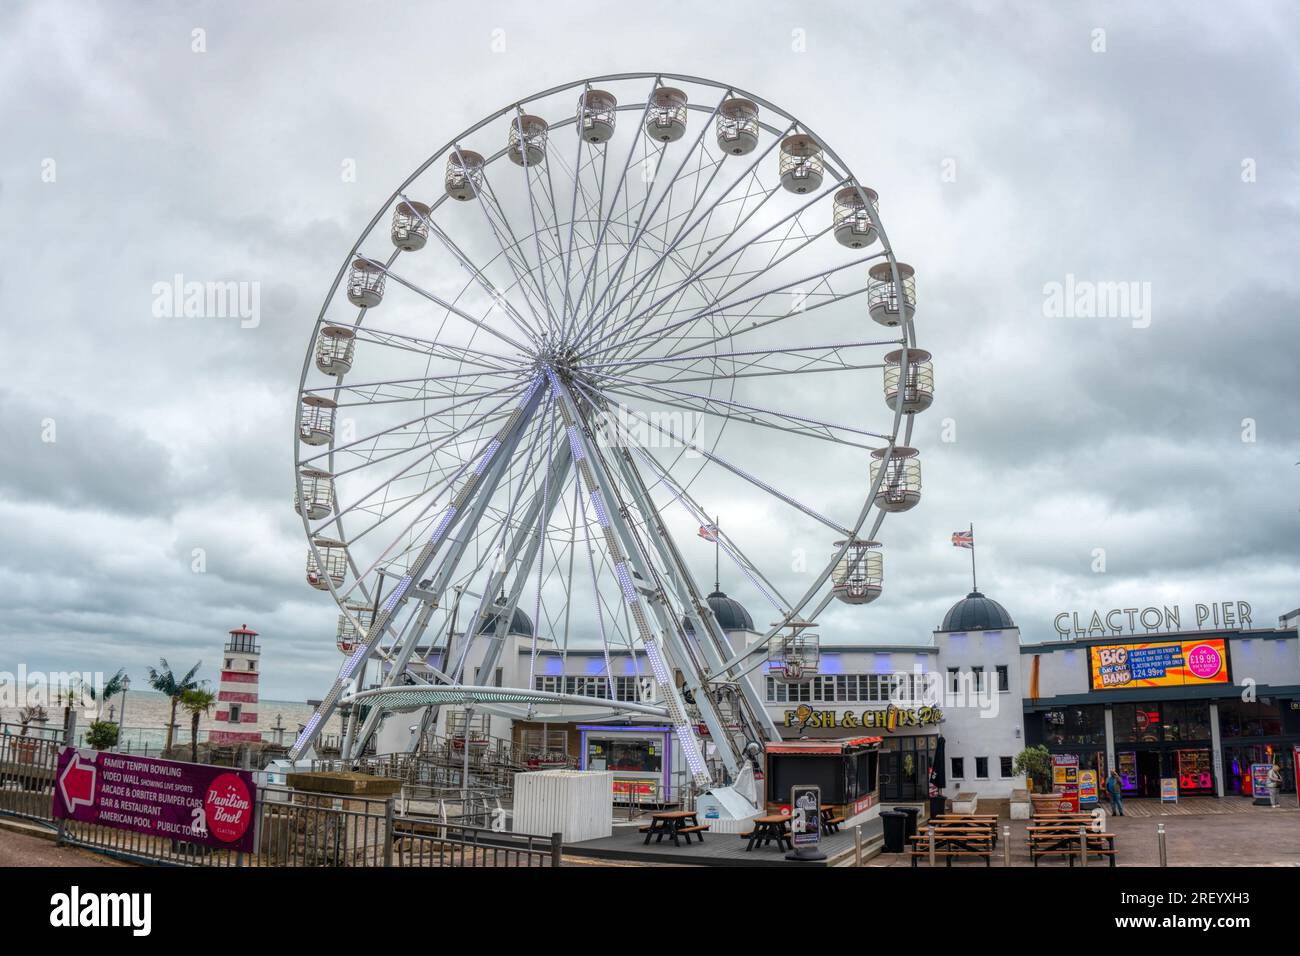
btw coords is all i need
(1063, 841)
(954, 842)
(987, 825)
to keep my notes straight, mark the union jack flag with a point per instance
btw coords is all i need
(963, 539)
(709, 532)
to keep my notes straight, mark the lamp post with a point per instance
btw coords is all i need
(121, 727)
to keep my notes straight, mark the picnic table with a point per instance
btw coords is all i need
(830, 819)
(773, 826)
(1063, 839)
(981, 822)
(673, 824)
(955, 839)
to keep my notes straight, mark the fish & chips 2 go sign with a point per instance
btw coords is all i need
(212, 806)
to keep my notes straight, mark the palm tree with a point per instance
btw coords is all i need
(166, 683)
(35, 714)
(197, 701)
(112, 687)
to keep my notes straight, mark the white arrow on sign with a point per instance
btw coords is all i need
(83, 790)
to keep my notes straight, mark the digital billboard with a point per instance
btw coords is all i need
(1159, 664)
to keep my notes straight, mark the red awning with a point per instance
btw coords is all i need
(820, 746)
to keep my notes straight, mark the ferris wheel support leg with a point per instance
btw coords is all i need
(713, 641)
(350, 732)
(525, 544)
(442, 576)
(625, 555)
(489, 470)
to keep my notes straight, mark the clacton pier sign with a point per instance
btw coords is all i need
(1165, 617)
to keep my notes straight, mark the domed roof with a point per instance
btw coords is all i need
(520, 624)
(975, 612)
(731, 614)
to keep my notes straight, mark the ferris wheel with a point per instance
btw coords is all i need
(580, 330)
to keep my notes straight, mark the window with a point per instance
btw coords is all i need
(977, 675)
(1006, 768)
(779, 692)
(954, 680)
(981, 768)
(1083, 725)
(958, 767)
(496, 677)
(550, 685)
(234, 713)
(229, 663)
(1004, 678)
(1239, 718)
(252, 665)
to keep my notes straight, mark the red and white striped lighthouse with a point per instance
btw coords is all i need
(236, 717)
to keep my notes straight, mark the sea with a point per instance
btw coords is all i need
(147, 712)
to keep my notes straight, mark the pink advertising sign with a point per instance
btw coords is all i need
(212, 806)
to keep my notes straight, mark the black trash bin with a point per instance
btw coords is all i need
(938, 806)
(895, 825)
(912, 813)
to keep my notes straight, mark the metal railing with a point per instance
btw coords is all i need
(27, 763)
(293, 827)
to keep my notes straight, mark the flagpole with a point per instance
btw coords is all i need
(717, 568)
(973, 586)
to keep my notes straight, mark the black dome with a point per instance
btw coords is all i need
(730, 613)
(975, 612)
(520, 624)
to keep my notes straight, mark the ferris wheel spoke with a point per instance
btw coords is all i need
(448, 306)
(374, 396)
(429, 491)
(488, 362)
(484, 189)
(637, 140)
(700, 513)
(551, 322)
(511, 391)
(806, 287)
(476, 272)
(644, 219)
(815, 358)
(591, 202)
(719, 301)
(739, 472)
(795, 424)
(640, 319)
(530, 281)
(588, 331)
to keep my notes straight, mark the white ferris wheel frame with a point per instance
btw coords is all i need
(721, 667)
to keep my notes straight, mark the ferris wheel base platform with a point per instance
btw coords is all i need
(725, 810)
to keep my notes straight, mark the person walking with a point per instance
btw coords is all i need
(1115, 787)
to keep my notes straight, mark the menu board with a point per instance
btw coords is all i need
(1065, 780)
(1263, 790)
(1160, 664)
(1087, 786)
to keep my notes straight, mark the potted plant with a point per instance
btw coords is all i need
(1036, 764)
(101, 735)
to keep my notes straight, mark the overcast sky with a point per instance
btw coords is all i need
(1012, 145)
